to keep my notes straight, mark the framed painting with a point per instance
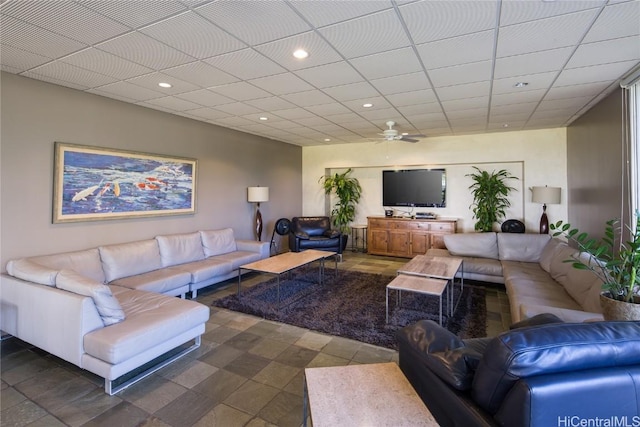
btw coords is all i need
(93, 183)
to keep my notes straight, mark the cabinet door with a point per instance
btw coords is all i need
(437, 241)
(398, 242)
(377, 243)
(420, 243)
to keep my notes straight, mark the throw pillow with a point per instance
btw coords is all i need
(32, 272)
(108, 306)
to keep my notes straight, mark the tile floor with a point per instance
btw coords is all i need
(247, 372)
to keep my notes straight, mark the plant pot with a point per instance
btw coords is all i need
(619, 310)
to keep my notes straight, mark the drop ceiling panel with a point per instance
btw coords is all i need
(282, 84)
(352, 91)
(313, 121)
(465, 104)
(145, 51)
(377, 101)
(368, 35)
(293, 113)
(201, 74)
(281, 51)
(193, 35)
(517, 97)
(516, 12)
(535, 81)
(240, 91)
(105, 63)
(573, 91)
(50, 79)
(233, 121)
(461, 74)
(411, 110)
(616, 50)
(270, 103)
(319, 15)
(67, 19)
(415, 97)
(525, 108)
(402, 83)
(544, 34)
(345, 118)
(173, 103)
(616, 20)
(572, 104)
(136, 13)
(151, 80)
(596, 73)
(386, 64)
(336, 74)
(380, 115)
(71, 74)
(129, 90)
(435, 20)
(246, 64)
(457, 50)
(253, 22)
(308, 98)
(20, 60)
(463, 91)
(205, 97)
(325, 110)
(31, 38)
(208, 113)
(472, 113)
(532, 63)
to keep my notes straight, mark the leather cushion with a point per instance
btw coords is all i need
(482, 245)
(218, 242)
(312, 225)
(32, 272)
(180, 248)
(521, 247)
(86, 262)
(129, 259)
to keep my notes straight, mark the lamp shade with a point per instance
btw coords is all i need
(546, 195)
(257, 194)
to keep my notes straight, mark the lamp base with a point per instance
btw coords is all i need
(258, 224)
(544, 221)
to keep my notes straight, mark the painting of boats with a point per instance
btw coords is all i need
(93, 183)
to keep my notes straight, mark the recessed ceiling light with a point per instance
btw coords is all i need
(367, 105)
(301, 54)
(506, 125)
(264, 118)
(521, 84)
(405, 133)
(165, 85)
(327, 139)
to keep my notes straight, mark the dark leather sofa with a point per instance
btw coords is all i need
(314, 232)
(558, 374)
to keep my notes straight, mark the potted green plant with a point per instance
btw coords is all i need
(615, 259)
(490, 197)
(348, 191)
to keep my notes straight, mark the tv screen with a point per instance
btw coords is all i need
(414, 187)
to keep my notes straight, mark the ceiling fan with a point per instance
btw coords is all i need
(392, 134)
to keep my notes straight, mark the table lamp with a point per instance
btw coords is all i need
(545, 195)
(258, 195)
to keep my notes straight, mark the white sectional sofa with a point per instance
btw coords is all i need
(533, 269)
(111, 310)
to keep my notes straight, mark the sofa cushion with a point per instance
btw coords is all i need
(163, 281)
(206, 269)
(584, 286)
(483, 245)
(86, 262)
(180, 248)
(521, 247)
(129, 259)
(108, 306)
(32, 272)
(218, 242)
(151, 319)
(550, 252)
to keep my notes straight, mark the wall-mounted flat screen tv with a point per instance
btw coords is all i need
(414, 187)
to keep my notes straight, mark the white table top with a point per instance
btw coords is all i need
(287, 261)
(364, 395)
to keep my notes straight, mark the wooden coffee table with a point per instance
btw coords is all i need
(284, 263)
(418, 284)
(363, 395)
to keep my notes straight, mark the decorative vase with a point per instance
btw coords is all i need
(619, 310)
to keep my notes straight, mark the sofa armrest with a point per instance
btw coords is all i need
(565, 314)
(253, 246)
(49, 318)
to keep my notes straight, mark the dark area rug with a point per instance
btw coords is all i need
(353, 306)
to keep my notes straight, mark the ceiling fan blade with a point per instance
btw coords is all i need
(409, 139)
(419, 135)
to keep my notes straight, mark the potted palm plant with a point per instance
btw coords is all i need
(490, 197)
(615, 259)
(348, 191)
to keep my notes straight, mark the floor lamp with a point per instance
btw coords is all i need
(258, 195)
(545, 195)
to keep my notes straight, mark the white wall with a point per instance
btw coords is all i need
(35, 114)
(535, 157)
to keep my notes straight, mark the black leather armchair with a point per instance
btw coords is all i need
(314, 232)
(542, 375)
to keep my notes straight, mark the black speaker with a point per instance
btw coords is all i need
(512, 226)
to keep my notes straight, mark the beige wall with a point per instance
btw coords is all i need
(594, 167)
(35, 114)
(535, 157)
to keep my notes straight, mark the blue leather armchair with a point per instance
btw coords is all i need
(544, 375)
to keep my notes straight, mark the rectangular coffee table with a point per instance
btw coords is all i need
(418, 284)
(283, 263)
(437, 268)
(363, 395)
